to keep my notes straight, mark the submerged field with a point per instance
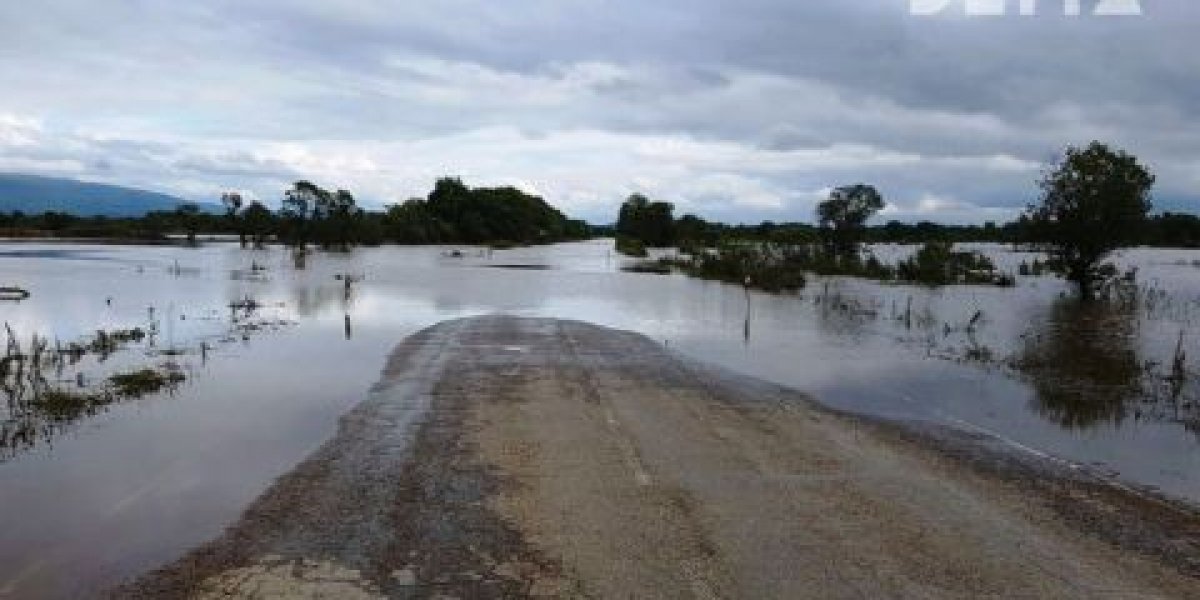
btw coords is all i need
(274, 354)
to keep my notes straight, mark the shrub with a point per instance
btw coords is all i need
(631, 247)
(936, 263)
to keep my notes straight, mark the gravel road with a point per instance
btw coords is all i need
(508, 457)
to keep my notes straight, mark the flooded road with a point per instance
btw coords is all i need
(90, 502)
(558, 459)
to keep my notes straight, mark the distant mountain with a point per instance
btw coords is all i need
(33, 194)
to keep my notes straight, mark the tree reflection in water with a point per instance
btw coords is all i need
(1084, 365)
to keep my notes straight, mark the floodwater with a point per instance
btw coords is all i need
(88, 501)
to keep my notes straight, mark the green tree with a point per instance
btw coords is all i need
(449, 200)
(1175, 230)
(411, 223)
(233, 203)
(455, 213)
(651, 223)
(189, 218)
(343, 216)
(843, 218)
(1093, 202)
(692, 233)
(301, 205)
(258, 223)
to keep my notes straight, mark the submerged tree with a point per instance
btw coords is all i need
(651, 223)
(258, 223)
(412, 222)
(1093, 202)
(189, 216)
(301, 205)
(843, 218)
(454, 212)
(341, 218)
(233, 203)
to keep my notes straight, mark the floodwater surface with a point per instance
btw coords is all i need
(273, 354)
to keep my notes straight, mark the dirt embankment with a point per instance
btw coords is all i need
(506, 457)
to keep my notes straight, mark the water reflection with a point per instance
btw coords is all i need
(300, 258)
(1084, 364)
(264, 405)
(844, 313)
(311, 300)
(746, 325)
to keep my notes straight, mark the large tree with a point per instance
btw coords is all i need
(1094, 201)
(302, 204)
(652, 223)
(455, 213)
(843, 218)
(343, 215)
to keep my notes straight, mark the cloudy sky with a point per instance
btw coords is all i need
(737, 110)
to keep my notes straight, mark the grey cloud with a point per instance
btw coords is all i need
(765, 95)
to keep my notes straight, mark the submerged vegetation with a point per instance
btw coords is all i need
(765, 268)
(56, 406)
(937, 263)
(13, 293)
(51, 385)
(144, 381)
(653, 267)
(779, 265)
(778, 268)
(41, 400)
(1085, 362)
(631, 247)
(1082, 363)
(1094, 201)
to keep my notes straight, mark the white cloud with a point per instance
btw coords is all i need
(18, 131)
(929, 206)
(586, 172)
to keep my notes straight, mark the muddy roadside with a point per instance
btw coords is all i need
(505, 457)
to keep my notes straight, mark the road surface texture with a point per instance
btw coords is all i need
(507, 457)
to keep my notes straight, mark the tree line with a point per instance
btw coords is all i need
(1165, 230)
(1096, 199)
(310, 215)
